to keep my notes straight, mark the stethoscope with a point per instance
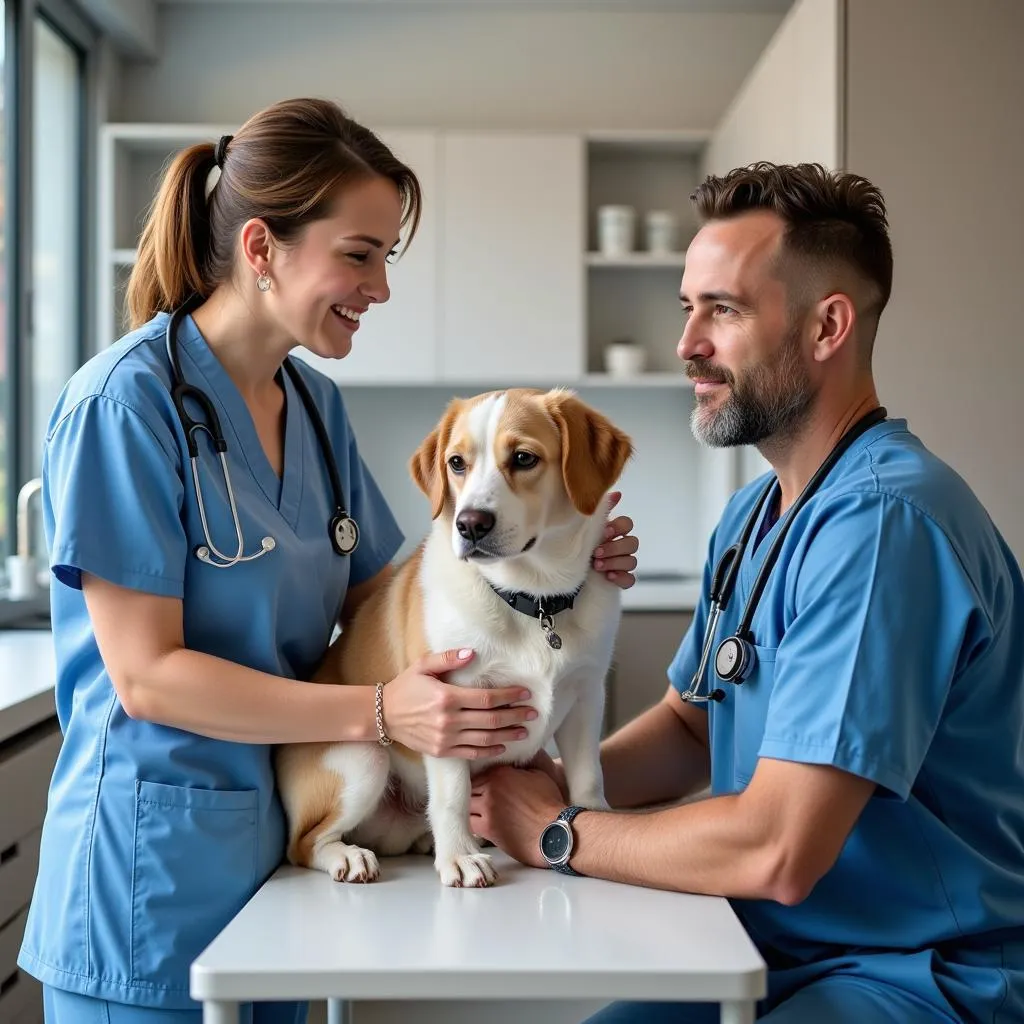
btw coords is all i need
(735, 654)
(342, 528)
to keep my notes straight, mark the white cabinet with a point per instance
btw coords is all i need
(397, 341)
(513, 234)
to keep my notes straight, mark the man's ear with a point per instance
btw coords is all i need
(427, 464)
(594, 450)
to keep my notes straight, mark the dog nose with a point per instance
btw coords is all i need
(474, 523)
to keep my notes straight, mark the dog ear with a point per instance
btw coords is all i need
(427, 464)
(594, 450)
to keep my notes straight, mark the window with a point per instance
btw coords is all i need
(5, 405)
(56, 221)
(46, 95)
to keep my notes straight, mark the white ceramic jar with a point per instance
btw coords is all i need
(616, 229)
(662, 229)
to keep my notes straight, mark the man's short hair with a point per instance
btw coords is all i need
(830, 217)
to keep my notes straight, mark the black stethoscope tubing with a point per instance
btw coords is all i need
(342, 528)
(734, 656)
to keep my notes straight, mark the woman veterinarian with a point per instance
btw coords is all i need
(202, 569)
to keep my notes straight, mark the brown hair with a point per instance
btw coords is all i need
(829, 216)
(284, 166)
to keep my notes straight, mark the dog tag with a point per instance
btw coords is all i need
(553, 639)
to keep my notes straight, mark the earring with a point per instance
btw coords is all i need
(263, 282)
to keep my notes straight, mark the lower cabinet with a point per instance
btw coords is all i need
(646, 645)
(26, 764)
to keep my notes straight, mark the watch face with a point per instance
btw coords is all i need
(554, 842)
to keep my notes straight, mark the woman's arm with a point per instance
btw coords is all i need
(361, 591)
(158, 679)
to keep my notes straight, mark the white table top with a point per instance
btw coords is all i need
(537, 934)
(28, 675)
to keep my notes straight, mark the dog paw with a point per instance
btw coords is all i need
(425, 844)
(353, 864)
(470, 871)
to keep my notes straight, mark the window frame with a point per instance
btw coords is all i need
(19, 65)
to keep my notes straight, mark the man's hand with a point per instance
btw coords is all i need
(510, 807)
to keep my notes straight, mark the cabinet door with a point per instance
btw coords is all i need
(513, 236)
(397, 340)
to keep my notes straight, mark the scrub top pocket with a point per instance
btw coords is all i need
(195, 857)
(751, 697)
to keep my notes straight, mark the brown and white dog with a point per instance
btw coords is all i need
(518, 484)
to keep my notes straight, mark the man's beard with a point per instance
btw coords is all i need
(768, 401)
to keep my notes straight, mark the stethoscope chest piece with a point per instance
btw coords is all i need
(344, 533)
(733, 659)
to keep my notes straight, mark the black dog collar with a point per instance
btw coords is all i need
(541, 608)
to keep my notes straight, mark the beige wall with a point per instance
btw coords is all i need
(448, 66)
(935, 108)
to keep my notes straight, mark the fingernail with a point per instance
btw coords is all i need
(599, 564)
(464, 653)
(520, 734)
(609, 532)
(531, 715)
(599, 552)
(524, 694)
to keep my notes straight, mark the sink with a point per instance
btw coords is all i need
(25, 615)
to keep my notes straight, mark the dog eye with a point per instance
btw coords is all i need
(524, 460)
(457, 464)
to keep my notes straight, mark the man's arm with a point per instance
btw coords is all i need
(774, 840)
(659, 757)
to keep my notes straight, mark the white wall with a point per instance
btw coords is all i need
(935, 96)
(446, 67)
(797, 84)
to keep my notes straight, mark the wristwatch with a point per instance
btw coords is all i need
(557, 841)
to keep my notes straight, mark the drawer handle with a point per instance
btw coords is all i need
(8, 983)
(9, 854)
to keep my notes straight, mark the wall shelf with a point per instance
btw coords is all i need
(637, 260)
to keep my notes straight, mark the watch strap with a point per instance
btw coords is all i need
(567, 814)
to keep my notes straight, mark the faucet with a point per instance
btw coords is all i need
(21, 575)
(28, 491)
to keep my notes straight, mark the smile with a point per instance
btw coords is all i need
(347, 312)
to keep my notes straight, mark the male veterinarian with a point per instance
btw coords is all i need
(865, 736)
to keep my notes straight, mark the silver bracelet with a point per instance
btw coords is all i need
(382, 737)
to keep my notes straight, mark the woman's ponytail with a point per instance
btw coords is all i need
(171, 262)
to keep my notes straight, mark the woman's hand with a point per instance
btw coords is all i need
(615, 555)
(444, 720)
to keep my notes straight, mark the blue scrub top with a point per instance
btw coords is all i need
(155, 837)
(890, 644)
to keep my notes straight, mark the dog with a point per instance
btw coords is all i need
(518, 483)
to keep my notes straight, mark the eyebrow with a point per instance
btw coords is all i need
(370, 240)
(728, 297)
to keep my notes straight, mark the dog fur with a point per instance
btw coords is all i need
(348, 803)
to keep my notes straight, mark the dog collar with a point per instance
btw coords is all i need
(541, 608)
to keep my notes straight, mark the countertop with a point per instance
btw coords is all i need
(27, 678)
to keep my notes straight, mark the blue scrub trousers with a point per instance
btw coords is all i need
(60, 1007)
(884, 988)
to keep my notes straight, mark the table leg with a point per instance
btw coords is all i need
(217, 1011)
(339, 1011)
(739, 1011)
